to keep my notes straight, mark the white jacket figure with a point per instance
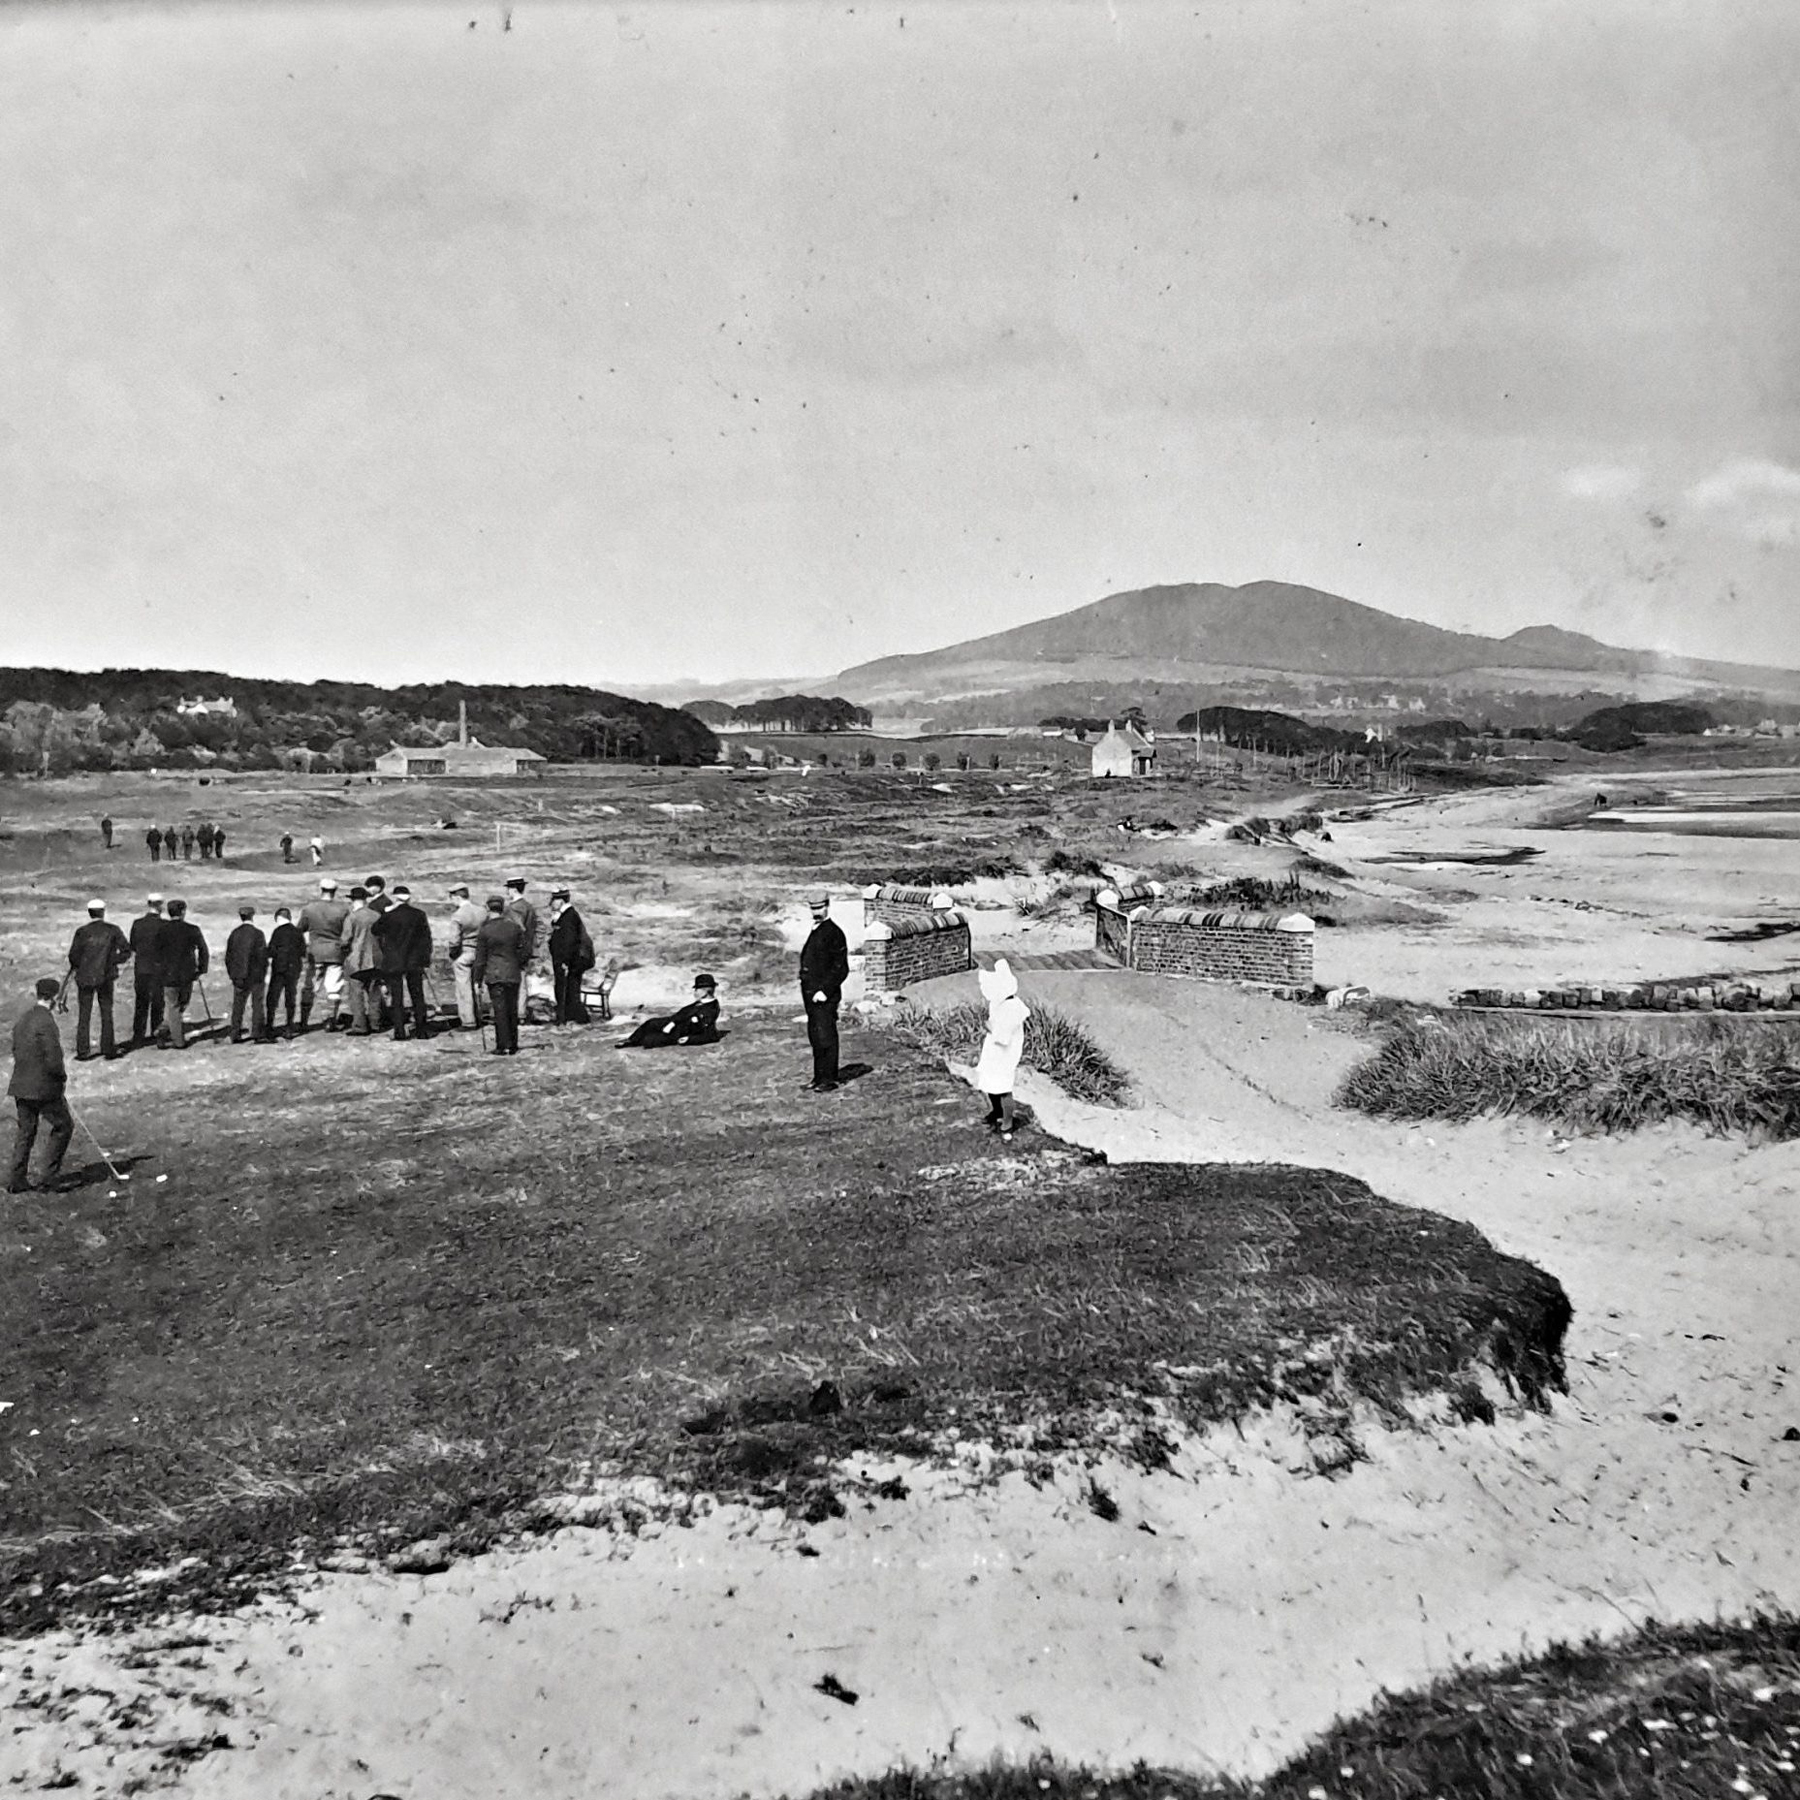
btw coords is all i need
(1005, 1040)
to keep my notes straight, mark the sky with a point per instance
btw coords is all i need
(627, 345)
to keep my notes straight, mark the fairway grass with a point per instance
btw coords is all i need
(392, 1291)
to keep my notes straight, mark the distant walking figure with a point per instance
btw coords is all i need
(187, 844)
(205, 837)
(153, 838)
(316, 847)
(824, 962)
(106, 832)
(218, 832)
(287, 846)
(998, 1067)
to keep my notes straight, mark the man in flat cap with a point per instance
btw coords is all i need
(39, 1088)
(518, 907)
(403, 953)
(182, 958)
(146, 973)
(465, 920)
(362, 986)
(500, 967)
(824, 963)
(247, 968)
(571, 956)
(322, 921)
(97, 952)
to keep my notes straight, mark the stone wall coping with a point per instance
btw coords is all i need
(1234, 921)
(939, 921)
(1114, 898)
(936, 898)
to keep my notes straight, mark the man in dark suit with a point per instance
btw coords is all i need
(171, 843)
(403, 949)
(146, 973)
(182, 956)
(38, 1086)
(376, 887)
(153, 838)
(824, 963)
(518, 907)
(204, 837)
(287, 956)
(187, 844)
(246, 968)
(97, 952)
(500, 967)
(571, 956)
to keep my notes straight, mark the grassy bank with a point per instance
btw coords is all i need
(1666, 1715)
(396, 1290)
(1594, 1075)
(1055, 1045)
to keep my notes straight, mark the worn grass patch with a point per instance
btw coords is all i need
(1592, 1075)
(1689, 1714)
(1055, 1045)
(395, 1290)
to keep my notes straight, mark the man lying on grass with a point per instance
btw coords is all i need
(695, 1023)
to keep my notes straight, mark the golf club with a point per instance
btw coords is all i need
(62, 994)
(112, 1168)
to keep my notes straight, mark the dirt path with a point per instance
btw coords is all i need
(1233, 1608)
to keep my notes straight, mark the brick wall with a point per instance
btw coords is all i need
(917, 949)
(1653, 996)
(887, 903)
(1270, 950)
(1112, 907)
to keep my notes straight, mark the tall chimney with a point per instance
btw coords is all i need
(462, 721)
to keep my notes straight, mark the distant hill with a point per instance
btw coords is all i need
(1205, 633)
(130, 718)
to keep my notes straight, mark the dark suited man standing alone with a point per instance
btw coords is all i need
(500, 967)
(402, 937)
(97, 952)
(824, 963)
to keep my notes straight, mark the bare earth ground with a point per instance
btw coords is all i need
(1256, 1602)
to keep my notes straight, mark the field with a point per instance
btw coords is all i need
(657, 1378)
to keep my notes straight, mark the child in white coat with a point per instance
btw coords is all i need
(998, 1066)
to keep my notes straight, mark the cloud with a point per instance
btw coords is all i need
(1744, 478)
(1600, 481)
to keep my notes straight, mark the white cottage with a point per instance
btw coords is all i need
(1124, 750)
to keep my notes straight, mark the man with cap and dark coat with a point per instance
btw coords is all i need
(205, 838)
(171, 843)
(695, 1023)
(106, 830)
(500, 967)
(287, 956)
(287, 846)
(322, 922)
(518, 907)
(182, 956)
(403, 948)
(97, 952)
(187, 844)
(153, 838)
(218, 842)
(571, 956)
(465, 921)
(246, 968)
(38, 1088)
(824, 963)
(146, 973)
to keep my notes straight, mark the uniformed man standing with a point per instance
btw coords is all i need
(146, 973)
(322, 920)
(403, 945)
(500, 966)
(97, 952)
(39, 1088)
(824, 963)
(247, 967)
(465, 921)
(571, 956)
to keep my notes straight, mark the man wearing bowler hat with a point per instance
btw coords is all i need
(38, 1088)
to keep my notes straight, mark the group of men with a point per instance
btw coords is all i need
(363, 961)
(166, 844)
(356, 958)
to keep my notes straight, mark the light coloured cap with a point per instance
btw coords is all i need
(96, 906)
(327, 884)
(153, 899)
(819, 901)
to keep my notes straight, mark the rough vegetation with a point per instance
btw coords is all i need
(1689, 1714)
(1727, 1075)
(1055, 1045)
